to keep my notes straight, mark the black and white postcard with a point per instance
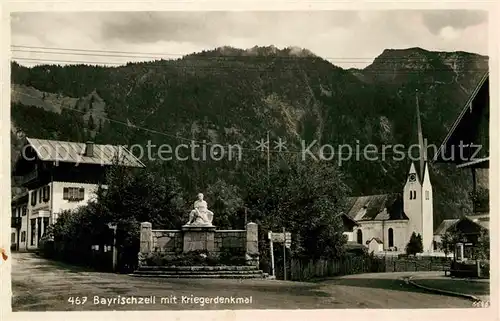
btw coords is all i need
(244, 158)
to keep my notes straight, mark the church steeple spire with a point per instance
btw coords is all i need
(422, 147)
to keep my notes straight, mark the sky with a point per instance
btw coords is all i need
(346, 38)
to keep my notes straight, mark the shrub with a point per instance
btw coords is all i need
(196, 258)
(232, 256)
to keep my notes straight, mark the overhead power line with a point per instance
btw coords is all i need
(134, 54)
(89, 54)
(97, 51)
(225, 148)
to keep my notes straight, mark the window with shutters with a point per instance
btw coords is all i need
(74, 194)
(40, 195)
(33, 198)
(46, 193)
(33, 231)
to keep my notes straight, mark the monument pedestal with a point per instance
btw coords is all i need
(198, 238)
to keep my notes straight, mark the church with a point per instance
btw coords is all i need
(386, 222)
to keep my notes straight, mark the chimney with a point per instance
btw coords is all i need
(89, 149)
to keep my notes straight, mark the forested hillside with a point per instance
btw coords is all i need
(231, 96)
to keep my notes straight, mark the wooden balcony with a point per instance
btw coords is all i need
(30, 177)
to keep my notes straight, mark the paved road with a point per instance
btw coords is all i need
(42, 285)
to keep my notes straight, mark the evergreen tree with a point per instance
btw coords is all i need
(415, 245)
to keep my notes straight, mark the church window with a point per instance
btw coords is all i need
(360, 237)
(426, 195)
(391, 237)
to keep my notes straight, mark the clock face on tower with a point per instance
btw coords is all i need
(413, 177)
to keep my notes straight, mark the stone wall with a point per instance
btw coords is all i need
(230, 239)
(217, 241)
(169, 241)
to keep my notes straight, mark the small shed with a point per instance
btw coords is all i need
(375, 245)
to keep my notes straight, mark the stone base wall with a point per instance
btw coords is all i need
(173, 242)
(169, 241)
(230, 239)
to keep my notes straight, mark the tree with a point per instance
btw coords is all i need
(305, 197)
(226, 202)
(483, 245)
(448, 241)
(481, 199)
(415, 245)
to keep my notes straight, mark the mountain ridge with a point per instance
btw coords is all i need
(238, 99)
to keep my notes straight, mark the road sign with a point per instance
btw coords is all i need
(286, 239)
(280, 237)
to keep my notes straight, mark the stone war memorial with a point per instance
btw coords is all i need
(198, 249)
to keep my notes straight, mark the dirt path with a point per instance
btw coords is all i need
(42, 285)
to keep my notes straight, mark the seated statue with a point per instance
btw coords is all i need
(200, 215)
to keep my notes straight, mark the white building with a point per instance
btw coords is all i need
(60, 176)
(392, 218)
(387, 221)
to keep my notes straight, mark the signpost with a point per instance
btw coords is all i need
(284, 255)
(115, 252)
(286, 239)
(270, 236)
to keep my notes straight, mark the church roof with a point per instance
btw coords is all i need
(421, 171)
(381, 207)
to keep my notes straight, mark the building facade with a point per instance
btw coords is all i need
(60, 176)
(19, 207)
(386, 222)
(467, 146)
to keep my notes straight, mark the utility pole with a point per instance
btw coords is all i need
(268, 156)
(115, 252)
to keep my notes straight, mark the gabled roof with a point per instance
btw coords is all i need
(376, 207)
(379, 241)
(445, 225)
(72, 152)
(456, 129)
(480, 220)
(349, 220)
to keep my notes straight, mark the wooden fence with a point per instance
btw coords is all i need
(306, 270)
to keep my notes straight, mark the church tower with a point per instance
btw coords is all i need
(417, 194)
